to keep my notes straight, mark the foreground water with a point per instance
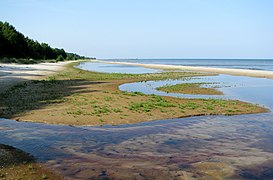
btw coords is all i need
(236, 147)
(255, 64)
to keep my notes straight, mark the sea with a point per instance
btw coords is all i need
(253, 64)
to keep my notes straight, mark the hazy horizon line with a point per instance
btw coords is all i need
(185, 58)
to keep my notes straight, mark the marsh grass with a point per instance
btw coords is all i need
(152, 103)
(190, 88)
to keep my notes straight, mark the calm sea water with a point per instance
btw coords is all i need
(257, 64)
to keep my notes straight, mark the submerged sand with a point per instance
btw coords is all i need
(237, 72)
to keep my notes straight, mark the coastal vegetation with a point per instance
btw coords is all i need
(190, 88)
(78, 97)
(17, 48)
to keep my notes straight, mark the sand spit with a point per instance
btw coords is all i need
(237, 72)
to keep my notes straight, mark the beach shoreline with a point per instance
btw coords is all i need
(11, 74)
(229, 71)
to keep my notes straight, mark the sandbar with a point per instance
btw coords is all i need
(236, 72)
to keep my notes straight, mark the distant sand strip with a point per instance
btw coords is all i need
(237, 72)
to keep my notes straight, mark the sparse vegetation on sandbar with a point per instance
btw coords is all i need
(78, 97)
(190, 88)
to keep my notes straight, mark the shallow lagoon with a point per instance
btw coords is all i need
(115, 68)
(241, 145)
(254, 90)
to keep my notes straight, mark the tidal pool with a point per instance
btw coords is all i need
(233, 147)
(254, 90)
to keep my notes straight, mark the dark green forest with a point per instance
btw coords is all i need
(14, 46)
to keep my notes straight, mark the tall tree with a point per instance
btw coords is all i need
(14, 44)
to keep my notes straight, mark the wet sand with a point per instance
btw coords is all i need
(236, 72)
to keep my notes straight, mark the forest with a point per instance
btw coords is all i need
(16, 47)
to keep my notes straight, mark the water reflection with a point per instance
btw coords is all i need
(199, 147)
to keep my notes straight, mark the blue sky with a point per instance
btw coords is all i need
(148, 28)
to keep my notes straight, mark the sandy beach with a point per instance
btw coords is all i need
(11, 74)
(236, 72)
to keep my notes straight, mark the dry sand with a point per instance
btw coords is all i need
(237, 72)
(11, 74)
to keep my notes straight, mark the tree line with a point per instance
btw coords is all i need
(14, 44)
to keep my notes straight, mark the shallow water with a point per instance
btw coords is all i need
(241, 146)
(115, 68)
(255, 90)
(165, 148)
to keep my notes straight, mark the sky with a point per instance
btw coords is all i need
(147, 28)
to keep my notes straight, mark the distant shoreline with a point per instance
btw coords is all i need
(236, 72)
